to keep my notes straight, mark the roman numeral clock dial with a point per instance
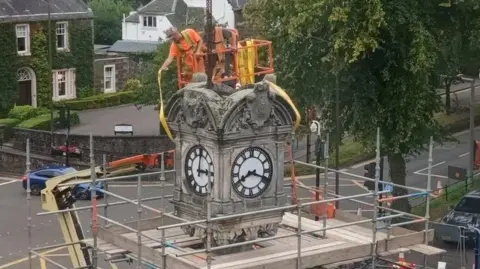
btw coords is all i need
(198, 165)
(252, 172)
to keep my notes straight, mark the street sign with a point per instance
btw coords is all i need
(387, 187)
(457, 173)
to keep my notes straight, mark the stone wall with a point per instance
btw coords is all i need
(123, 71)
(114, 147)
(12, 161)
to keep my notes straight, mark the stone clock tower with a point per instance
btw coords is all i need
(237, 139)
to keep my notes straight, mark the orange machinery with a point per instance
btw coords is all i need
(144, 161)
(244, 48)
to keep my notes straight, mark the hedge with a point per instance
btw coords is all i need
(9, 122)
(43, 122)
(25, 112)
(100, 101)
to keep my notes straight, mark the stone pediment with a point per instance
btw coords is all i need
(254, 108)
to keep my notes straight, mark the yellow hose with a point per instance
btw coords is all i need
(163, 120)
(283, 94)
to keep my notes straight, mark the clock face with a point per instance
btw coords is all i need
(252, 172)
(198, 164)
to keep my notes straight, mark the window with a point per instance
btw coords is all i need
(109, 78)
(150, 21)
(469, 205)
(62, 35)
(64, 84)
(47, 174)
(23, 39)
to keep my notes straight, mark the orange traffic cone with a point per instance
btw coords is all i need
(401, 260)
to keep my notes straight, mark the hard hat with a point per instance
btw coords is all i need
(171, 31)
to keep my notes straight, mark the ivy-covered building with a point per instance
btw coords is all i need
(25, 75)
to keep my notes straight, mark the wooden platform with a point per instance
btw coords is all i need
(341, 244)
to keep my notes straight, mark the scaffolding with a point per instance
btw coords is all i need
(161, 252)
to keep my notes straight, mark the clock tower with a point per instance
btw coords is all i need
(237, 140)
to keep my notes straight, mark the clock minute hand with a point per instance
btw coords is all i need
(262, 176)
(249, 173)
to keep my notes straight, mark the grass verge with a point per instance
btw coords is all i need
(450, 196)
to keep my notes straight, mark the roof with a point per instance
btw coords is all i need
(129, 46)
(238, 4)
(177, 12)
(37, 10)
(155, 7)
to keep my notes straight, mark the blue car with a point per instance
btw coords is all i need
(39, 177)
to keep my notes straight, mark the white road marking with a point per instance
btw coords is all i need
(356, 182)
(435, 165)
(463, 155)
(433, 175)
(8, 182)
(9, 179)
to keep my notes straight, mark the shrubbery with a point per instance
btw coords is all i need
(43, 122)
(26, 112)
(100, 101)
(10, 122)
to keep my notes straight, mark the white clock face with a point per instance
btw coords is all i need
(198, 164)
(251, 172)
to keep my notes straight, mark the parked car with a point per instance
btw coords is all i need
(465, 215)
(62, 150)
(38, 179)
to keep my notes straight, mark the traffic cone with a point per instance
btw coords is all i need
(439, 188)
(401, 260)
(359, 211)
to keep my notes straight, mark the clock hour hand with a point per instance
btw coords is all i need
(249, 173)
(200, 171)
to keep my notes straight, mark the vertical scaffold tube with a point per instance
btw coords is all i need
(299, 235)
(375, 202)
(29, 205)
(325, 185)
(93, 197)
(139, 221)
(105, 186)
(427, 202)
(209, 222)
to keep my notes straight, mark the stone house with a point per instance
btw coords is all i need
(111, 70)
(28, 28)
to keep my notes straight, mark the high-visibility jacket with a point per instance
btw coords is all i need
(189, 62)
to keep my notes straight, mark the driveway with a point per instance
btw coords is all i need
(101, 122)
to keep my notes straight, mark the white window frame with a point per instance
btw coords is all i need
(65, 36)
(70, 88)
(26, 52)
(112, 81)
(154, 22)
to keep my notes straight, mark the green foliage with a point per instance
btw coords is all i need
(108, 19)
(148, 93)
(99, 101)
(43, 122)
(25, 112)
(132, 85)
(39, 64)
(9, 122)
(8, 68)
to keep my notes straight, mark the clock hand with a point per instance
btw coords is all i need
(199, 162)
(261, 176)
(249, 173)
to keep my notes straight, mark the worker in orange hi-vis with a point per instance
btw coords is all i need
(186, 44)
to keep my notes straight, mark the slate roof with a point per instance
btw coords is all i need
(37, 10)
(129, 46)
(178, 13)
(237, 4)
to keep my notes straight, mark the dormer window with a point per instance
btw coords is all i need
(150, 21)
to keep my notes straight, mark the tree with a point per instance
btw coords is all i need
(384, 54)
(149, 94)
(458, 42)
(108, 20)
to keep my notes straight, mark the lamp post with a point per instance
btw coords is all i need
(471, 155)
(316, 127)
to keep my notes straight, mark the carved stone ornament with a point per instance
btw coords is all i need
(194, 111)
(259, 111)
(234, 236)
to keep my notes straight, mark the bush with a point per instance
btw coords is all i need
(43, 122)
(10, 122)
(132, 85)
(100, 101)
(25, 112)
